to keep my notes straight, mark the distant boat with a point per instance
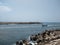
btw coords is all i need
(44, 25)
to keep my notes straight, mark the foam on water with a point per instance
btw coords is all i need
(14, 44)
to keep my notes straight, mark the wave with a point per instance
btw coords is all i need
(18, 27)
(14, 44)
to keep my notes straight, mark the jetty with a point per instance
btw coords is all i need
(48, 37)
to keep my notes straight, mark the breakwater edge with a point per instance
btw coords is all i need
(48, 37)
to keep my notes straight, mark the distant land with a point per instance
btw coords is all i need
(20, 22)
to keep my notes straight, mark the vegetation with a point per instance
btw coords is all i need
(20, 23)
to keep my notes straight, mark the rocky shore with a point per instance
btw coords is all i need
(48, 37)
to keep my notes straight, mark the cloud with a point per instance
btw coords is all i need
(5, 9)
(0, 2)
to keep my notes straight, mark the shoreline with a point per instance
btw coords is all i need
(48, 37)
(20, 23)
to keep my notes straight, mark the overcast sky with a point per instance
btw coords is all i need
(30, 10)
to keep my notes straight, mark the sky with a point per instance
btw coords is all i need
(29, 10)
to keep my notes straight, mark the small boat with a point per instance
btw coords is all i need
(43, 25)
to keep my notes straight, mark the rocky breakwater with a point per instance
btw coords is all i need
(48, 37)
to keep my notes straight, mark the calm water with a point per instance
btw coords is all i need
(9, 34)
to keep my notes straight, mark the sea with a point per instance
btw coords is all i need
(10, 33)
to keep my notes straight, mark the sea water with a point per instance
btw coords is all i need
(11, 33)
